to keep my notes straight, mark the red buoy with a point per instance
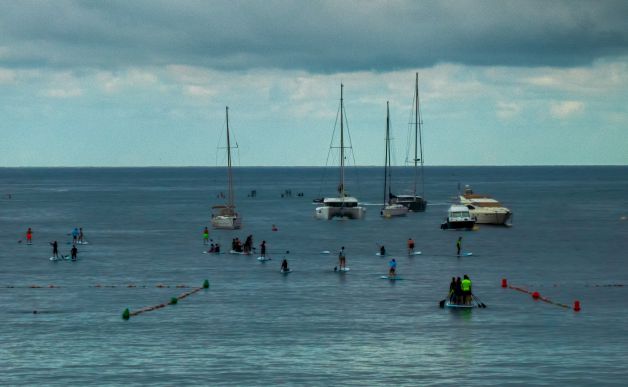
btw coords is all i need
(504, 283)
(536, 295)
(576, 306)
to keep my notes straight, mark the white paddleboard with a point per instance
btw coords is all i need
(415, 253)
(326, 252)
(82, 243)
(263, 259)
(343, 270)
(380, 254)
(285, 271)
(464, 255)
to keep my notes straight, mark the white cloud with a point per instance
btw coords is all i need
(7, 76)
(508, 110)
(63, 93)
(566, 109)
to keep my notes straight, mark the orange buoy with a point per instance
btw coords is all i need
(576, 306)
(536, 295)
(504, 283)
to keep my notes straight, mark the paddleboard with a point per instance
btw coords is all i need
(212, 253)
(415, 253)
(343, 270)
(326, 252)
(464, 255)
(238, 252)
(395, 278)
(458, 306)
(380, 254)
(286, 271)
(61, 258)
(263, 259)
(82, 243)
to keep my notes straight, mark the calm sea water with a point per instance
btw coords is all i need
(255, 326)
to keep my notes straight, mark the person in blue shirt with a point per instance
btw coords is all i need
(392, 267)
(75, 234)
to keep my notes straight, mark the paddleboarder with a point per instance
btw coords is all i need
(392, 267)
(284, 265)
(55, 249)
(342, 260)
(205, 236)
(29, 236)
(410, 246)
(263, 249)
(459, 246)
(465, 286)
(74, 252)
(382, 250)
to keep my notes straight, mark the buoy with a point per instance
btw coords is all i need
(173, 301)
(206, 284)
(126, 314)
(536, 295)
(504, 283)
(576, 306)
(275, 228)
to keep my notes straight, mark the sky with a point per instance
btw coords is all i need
(146, 83)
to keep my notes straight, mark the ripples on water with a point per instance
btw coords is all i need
(255, 326)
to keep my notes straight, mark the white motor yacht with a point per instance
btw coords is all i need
(485, 209)
(458, 217)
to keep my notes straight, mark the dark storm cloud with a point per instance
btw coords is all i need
(315, 36)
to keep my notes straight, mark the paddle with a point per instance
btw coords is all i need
(480, 303)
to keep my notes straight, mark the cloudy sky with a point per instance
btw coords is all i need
(145, 83)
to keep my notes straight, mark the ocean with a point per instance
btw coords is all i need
(256, 326)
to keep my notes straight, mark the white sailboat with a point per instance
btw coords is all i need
(414, 202)
(225, 216)
(390, 209)
(344, 205)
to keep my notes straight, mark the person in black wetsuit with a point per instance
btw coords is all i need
(263, 248)
(74, 252)
(452, 290)
(382, 250)
(55, 249)
(284, 265)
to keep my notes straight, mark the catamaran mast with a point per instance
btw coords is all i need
(230, 177)
(342, 148)
(419, 123)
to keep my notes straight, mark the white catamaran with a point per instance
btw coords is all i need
(225, 216)
(344, 205)
(414, 202)
(389, 209)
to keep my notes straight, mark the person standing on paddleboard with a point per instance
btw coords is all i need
(382, 250)
(392, 267)
(459, 245)
(342, 259)
(284, 265)
(74, 252)
(75, 234)
(263, 249)
(206, 236)
(55, 249)
(81, 236)
(410, 246)
(29, 236)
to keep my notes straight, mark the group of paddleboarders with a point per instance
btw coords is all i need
(214, 248)
(460, 290)
(78, 236)
(239, 247)
(55, 251)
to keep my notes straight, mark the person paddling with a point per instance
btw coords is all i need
(382, 250)
(263, 249)
(75, 234)
(459, 246)
(55, 249)
(74, 252)
(29, 236)
(284, 265)
(465, 286)
(81, 236)
(410, 246)
(342, 259)
(206, 236)
(392, 267)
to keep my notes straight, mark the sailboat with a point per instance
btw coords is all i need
(225, 216)
(389, 209)
(414, 202)
(344, 205)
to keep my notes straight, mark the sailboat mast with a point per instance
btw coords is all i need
(416, 129)
(420, 129)
(387, 156)
(342, 147)
(229, 175)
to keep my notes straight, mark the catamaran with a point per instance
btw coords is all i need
(344, 205)
(390, 209)
(225, 216)
(414, 202)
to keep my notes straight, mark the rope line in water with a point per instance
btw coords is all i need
(173, 301)
(537, 296)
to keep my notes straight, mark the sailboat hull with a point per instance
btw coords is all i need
(226, 222)
(393, 210)
(412, 203)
